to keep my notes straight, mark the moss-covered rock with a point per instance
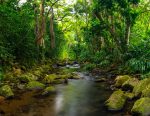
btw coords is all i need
(6, 91)
(17, 72)
(49, 90)
(73, 76)
(116, 101)
(50, 78)
(35, 85)
(146, 91)
(130, 84)
(28, 77)
(142, 106)
(129, 95)
(141, 86)
(10, 77)
(121, 79)
(38, 72)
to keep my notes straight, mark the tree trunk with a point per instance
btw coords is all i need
(41, 30)
(127, 35)
(52, 34)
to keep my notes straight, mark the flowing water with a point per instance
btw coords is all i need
(81, 97)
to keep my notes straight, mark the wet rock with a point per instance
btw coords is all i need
(116, 101)
(35, 85)
(27, 77)
(50, 78)
(49, 90)
(142, 107)
(130, 84)
(6, 91)
(121, 79)
(146, 91)
(141, 86)
(129, 95)
(100, 80)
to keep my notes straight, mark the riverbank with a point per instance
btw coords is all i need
(63, 89)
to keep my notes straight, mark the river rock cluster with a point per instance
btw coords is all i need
(41, 79)
(130, 88)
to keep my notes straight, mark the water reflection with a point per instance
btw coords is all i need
(79, 98)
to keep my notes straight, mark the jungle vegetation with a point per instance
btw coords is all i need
(97, 33)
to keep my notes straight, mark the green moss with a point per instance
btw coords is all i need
(6, 91)
(37, 72)
(49, 90)
(10, 77)
(129, 96)
(50, 78)
(146, 91)
(116, 101)
(28, 77)
(141, 86)
(34, 85)
(142, 106)
(121, 79)
(130, 84)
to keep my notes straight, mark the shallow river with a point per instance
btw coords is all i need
(81, 97)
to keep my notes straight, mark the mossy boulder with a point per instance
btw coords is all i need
(50, 78)
(130, 84)
(17, 72)
(6, 91)
(46, 68)
(38, 72)
(49, 90)
(142, 107)
(73, 76)
(116, 101)
(35, 85)
(121, 79)
(10, 77)
(129, 95)
(28, 77)
(146, 91)
(141, 86)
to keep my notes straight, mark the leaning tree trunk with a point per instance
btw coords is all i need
(52, 34)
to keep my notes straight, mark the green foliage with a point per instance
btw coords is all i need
(89, 66)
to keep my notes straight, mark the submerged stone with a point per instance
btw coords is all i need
(121, 79)
(116, 101)
(35, 85)
(6, 91)
(130, 84)
(141, 86)
(142, 107)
